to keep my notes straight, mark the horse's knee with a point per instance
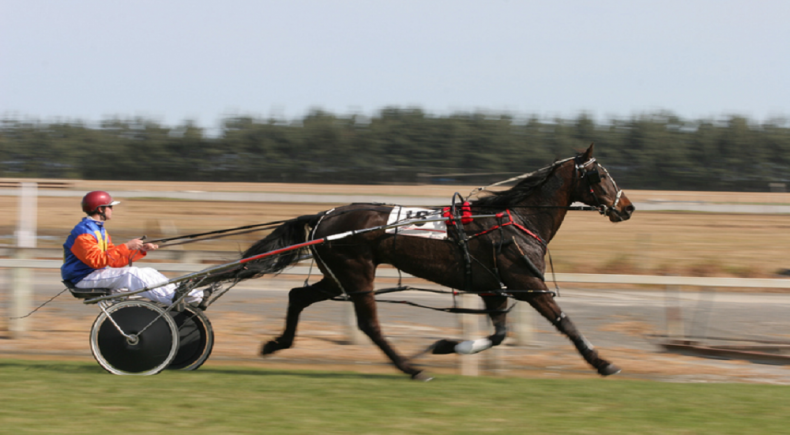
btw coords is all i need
(564, 325)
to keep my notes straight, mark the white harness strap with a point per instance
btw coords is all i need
(605, 208)
(585, 164)
(619, 192)
(318, 257)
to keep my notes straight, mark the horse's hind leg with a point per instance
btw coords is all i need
(367, 320)
(546, 306)
(496, 305)
(298, 299)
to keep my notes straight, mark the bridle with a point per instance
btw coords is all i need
(592, 177)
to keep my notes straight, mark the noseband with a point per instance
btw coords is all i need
(593, 176)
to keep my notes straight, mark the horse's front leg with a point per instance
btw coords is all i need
(368, 322)
(298, 299)
(546, 305)
(496, 305)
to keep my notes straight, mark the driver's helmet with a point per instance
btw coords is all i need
(98, 198)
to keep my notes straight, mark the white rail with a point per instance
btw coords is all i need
(693, 281)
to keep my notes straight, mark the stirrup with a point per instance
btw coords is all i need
(204, 303)
(180, 306)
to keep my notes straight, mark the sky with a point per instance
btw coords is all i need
(174, 61)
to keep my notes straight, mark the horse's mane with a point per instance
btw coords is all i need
(521, 191)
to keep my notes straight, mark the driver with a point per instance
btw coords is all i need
(92, 261)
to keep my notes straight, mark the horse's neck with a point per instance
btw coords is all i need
(544, 219)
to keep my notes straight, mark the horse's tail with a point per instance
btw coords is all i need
(290, 233)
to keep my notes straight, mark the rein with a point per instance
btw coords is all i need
(201, 237)
(198, 237)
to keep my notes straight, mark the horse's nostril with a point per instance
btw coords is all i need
(630, 209)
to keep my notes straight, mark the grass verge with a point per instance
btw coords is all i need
(75, 397)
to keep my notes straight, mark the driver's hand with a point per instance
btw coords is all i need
(134, 244)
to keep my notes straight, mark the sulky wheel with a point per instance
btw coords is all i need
(134, 338)
(195, 339)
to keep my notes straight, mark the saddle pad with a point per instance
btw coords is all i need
(415, 226)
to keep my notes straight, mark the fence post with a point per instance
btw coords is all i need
(523, 325)
(494, 357)
(674, 313)
(353, 334)
(699, 323)
(470, 364)
(21, 282)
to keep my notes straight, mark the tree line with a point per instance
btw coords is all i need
(404, 145)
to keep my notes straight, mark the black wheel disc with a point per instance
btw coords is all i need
(195, 339)
(148, 352)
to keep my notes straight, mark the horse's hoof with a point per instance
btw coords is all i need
(421, 376)
(444, 347)
(270, 347)
(609, 369)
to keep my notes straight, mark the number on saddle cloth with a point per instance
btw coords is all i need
(416, 226)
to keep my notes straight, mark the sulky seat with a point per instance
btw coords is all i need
(86, 293)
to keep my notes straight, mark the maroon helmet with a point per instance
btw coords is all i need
(93, 200)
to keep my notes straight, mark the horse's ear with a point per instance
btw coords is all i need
(588, 154)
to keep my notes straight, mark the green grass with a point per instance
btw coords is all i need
(68, 397)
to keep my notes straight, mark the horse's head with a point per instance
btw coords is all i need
(596, 187)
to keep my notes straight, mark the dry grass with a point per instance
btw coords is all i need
(694, 244)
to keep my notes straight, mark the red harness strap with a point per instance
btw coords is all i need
(510, 222)
(466, 214)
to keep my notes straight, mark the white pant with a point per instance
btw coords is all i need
(135, 278)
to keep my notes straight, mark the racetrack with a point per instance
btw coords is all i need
(618, 321)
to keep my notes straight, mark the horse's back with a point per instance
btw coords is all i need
(352, 217)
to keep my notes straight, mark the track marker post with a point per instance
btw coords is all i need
(353, 334)
(21, 281)
(470, 327)
(675, 329)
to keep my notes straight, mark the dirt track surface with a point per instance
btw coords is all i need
(620, 324)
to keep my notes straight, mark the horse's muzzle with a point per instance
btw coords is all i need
(623, 214)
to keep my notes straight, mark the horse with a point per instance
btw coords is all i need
(498, 257)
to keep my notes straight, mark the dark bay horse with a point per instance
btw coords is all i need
(496, 257)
